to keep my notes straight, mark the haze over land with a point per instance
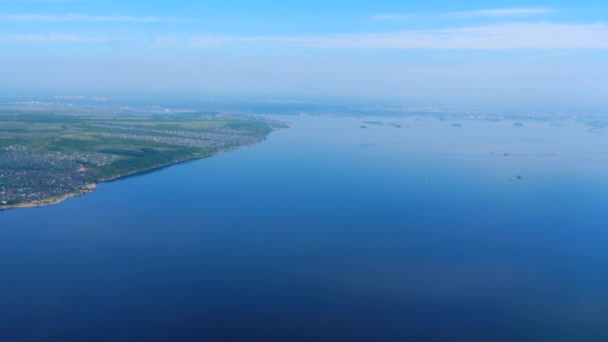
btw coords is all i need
(510, 54)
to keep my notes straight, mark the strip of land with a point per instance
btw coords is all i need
(46, 157)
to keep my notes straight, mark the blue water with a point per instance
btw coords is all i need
(328, 232)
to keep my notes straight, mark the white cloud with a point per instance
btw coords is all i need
(85, 17)
(505, 12)
(165, 41)
(391, 16)
(498, 12)
(491, 37)
(57, 38)
(215, 41)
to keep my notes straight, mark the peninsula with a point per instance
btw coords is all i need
(48, 156)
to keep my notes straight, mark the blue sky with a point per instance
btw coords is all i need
(509, 53)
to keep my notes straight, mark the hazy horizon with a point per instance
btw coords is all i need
(303, 171)
(549, 54)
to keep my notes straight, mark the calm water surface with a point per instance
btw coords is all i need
(325, 232)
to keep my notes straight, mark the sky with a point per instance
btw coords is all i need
(508, 53)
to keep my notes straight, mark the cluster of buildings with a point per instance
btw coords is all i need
(25, 177)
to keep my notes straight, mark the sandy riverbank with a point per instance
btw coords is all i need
(52, 200)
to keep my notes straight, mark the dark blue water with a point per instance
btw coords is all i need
(328, 232)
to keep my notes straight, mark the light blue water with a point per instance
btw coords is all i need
(325, 232)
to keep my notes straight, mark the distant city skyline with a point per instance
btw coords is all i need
(512, 53)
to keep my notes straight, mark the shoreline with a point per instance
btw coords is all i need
(159, 167)
(91, 187)
(53, 200)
